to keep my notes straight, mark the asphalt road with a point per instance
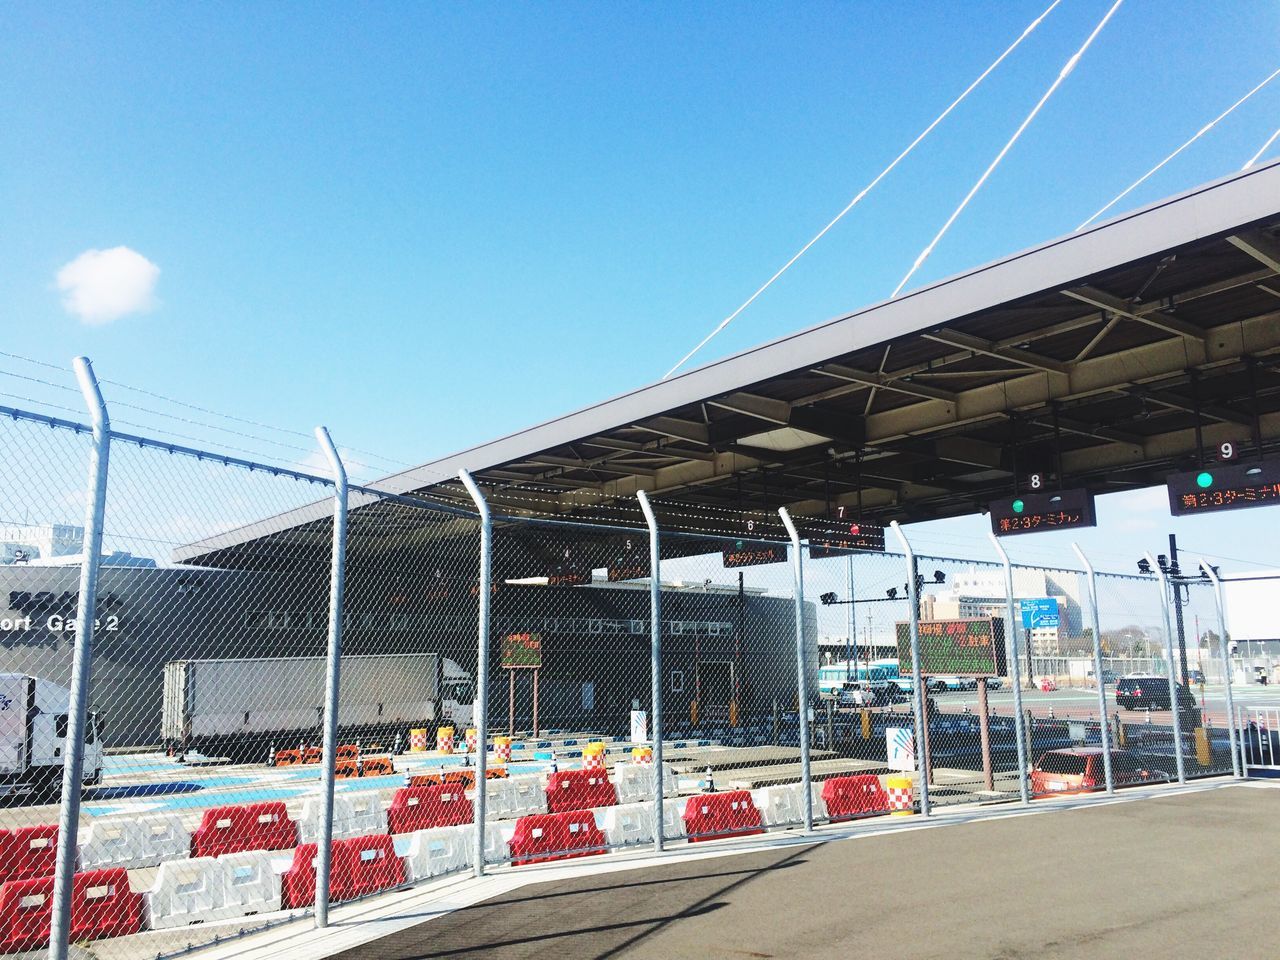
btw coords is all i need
(1180, 876)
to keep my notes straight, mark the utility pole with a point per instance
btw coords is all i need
(1178, 587)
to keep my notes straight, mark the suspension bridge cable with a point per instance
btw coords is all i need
(1062, 75)
(865, 190)
(1200, 133)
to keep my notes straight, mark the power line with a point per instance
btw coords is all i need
(1199, 133)
(1263, 149)
(865, 190)
(1062, 75)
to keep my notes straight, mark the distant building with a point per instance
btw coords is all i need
(25, 542)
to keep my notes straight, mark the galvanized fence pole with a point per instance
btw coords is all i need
(655, 662)
(1103, 729)
(333, 666)
(802, 692)
(82, 662)
(1015, 671)
(1174, 703)
(1224, 649)
(917, 678)
(481, 706)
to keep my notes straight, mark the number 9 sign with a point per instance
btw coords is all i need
(1227, 451)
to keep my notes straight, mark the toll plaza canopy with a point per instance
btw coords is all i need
(1103, 359)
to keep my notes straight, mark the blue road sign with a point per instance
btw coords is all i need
(1039, 612)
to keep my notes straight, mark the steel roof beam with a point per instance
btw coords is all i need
(1259, 246)
(1147, 313)
(967, 341)
(884, 382)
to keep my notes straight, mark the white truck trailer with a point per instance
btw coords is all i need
(33, 738)
(244, 708)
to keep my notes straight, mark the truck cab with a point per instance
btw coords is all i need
(33, 738)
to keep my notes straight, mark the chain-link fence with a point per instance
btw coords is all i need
(280, 665)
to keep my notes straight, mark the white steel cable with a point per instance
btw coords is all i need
(865, 190)
(1062, 75)
(1200, 133)
(1257, 156)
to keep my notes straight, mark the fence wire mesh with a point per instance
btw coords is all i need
(785, 679)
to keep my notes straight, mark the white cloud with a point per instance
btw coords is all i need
(103, 285)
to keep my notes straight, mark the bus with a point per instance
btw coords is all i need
(845, 677)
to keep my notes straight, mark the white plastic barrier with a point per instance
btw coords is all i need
(131, 842)
(784, 805)
(430, 853)
(187, 892)
(673, 818)
(634, 781)
(252, 881)
(354, 815)
(626, 824)
(528, 796)
(496, 837)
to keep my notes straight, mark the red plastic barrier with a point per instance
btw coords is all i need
(28, 852)
(373, 864)
(348, 751)
(579, 790)
(102, 905)
(312, 755)
(298, 883)
(854, 796)
(346, 769)
(556, 836)
(420, 808)
(715, 815)
(288, 758)
(255, 826)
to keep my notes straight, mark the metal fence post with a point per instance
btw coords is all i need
(81, 663)
(481, 707)
(655, 662)
(1174, 702)
(1015, 667)
(1224, 649)
(333, 666)
(1103, 729)
(802, 692)
(917, 679)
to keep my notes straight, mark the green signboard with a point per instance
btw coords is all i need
(968, 647)
(521, 650)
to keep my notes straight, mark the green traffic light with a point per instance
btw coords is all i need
(1204, 480)
(1018, 506)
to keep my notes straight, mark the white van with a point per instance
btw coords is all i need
(33, 738)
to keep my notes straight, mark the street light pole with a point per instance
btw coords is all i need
(1176, 572)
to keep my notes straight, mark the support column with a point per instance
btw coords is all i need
(1104, 729)
(480, 709)
(81, 662)
(1169, 657)
(655, 663)
(1015, 671)
(328, 759)
(1224, 648)
(802, 684)
(917, 679)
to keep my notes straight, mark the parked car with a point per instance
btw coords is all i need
(1046, 684)
(994, 683)
(1081, 769)
(1196, 676)
(1151, 693)
(1108, 678)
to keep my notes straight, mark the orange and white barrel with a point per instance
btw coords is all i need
(501, 749)
(419, 741)
(472, 734)
(593, 756)
(444, 739)
(901, 796)
(642, 754)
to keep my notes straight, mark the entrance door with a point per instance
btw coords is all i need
(715, 683)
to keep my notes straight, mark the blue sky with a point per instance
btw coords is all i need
(427, 225)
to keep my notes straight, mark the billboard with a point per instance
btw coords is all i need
(521, 650)
(967, 647)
